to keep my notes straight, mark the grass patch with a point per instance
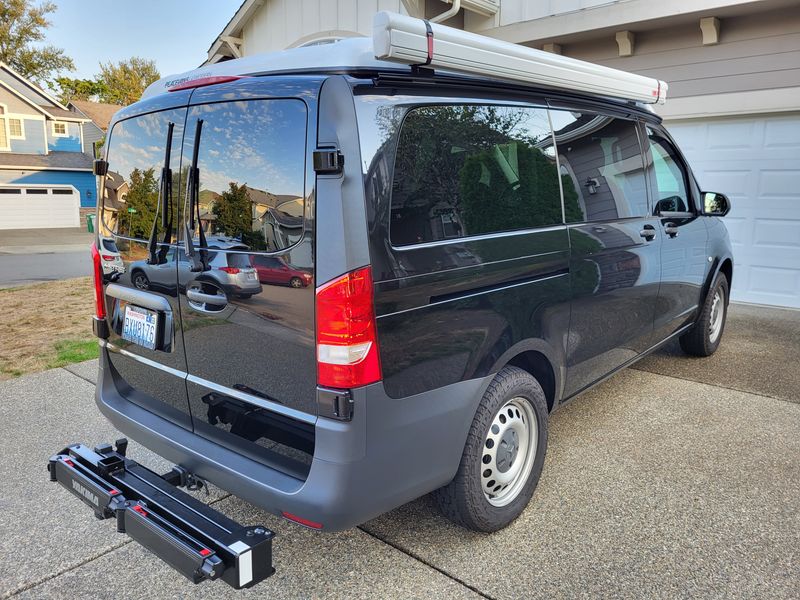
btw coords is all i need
(73, 351)
(45, 325)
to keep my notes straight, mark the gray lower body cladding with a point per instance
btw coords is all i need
(394, 450)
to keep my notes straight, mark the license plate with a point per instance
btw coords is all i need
(251, 276)
(140, 326)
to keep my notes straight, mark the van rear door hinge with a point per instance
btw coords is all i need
(328, 161)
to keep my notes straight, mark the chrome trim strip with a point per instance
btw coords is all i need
(143, 360)
(478, 238)
(505, 287)
(250, 399)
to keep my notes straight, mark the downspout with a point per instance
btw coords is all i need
(447, 14)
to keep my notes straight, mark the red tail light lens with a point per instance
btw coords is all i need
(99, 296)
(107, 257)
(301, 520)
(347, 348)
(229, 270)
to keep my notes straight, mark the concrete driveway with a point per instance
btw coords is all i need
(680, 477)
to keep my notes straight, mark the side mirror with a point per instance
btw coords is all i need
(716, 204)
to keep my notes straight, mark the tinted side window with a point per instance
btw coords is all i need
(667, 176)
(252, 170)
(601, 166)
(469, 170)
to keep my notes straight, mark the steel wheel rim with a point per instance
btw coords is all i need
(717, 314)
(509, 452)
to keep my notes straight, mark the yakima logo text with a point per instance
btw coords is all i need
(85, 493)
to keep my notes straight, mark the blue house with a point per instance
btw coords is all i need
(42, 156)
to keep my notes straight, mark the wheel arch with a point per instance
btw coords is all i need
(538, 358)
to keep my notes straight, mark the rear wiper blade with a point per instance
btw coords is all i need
(199, 259)
(164, 201)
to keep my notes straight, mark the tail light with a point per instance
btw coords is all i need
(229, 270)
(108, 257)
(99, 296)
(347, 349)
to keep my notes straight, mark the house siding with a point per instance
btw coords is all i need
(756, 52)
(83, 181)
(91, 134)
(34, 138)
(71, 143)
(279, 24)
(23, 89)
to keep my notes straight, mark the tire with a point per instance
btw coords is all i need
(704, 337)
(510, 404)
(140, 281)
(296, 282)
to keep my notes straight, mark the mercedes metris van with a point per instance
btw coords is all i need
(476, 252)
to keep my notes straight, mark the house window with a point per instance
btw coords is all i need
(16, 129)
(3, 128)
(59, 129)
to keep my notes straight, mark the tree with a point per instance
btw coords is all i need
(22, 24)
(78, 89)
(142, 197)
(233, 211)
(125, 81)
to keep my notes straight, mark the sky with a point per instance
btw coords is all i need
(175, 34)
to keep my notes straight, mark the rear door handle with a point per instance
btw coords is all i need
(671, 229)
(648, 232)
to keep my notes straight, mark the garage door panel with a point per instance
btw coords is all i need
(777, 233)
(756, 162)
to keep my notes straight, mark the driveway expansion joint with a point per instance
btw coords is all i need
(427, 563)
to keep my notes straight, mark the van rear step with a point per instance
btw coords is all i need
(193, 538)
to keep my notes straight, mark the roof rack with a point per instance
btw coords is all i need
(417, 43)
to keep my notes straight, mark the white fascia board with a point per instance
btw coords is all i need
(731, 104)
(606, 16)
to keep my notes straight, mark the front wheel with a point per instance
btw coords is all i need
(704, 337)
(296, 282)
(140, 281)
(503, 456)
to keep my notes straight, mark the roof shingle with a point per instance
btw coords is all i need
(54, 160)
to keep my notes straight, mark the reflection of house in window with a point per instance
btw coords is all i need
(115, 191)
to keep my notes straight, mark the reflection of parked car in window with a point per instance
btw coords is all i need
(274, 270)
(228, 267)
(110, 257)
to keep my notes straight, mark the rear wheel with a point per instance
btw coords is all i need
(503, 456)
(704, 337)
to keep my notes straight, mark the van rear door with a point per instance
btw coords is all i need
(145, 347)
(250, 351)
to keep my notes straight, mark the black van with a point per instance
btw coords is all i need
(478, 253)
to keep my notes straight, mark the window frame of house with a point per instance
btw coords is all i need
(21, 120)
(55, 133)
(4, 125)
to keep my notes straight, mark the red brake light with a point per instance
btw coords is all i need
(229, 270)
(347, 348)
(203, 81)
(99, 296)
(107, 257)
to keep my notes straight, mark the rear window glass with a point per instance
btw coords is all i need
(110, 245)
(241, 261)
(251, 164)
(463, 170)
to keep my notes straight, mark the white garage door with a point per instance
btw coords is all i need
(755, 161)
(37, 206)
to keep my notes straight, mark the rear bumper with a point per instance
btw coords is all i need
(394, 450)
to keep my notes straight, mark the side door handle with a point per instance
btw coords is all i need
(671, 229)
(648, 232)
